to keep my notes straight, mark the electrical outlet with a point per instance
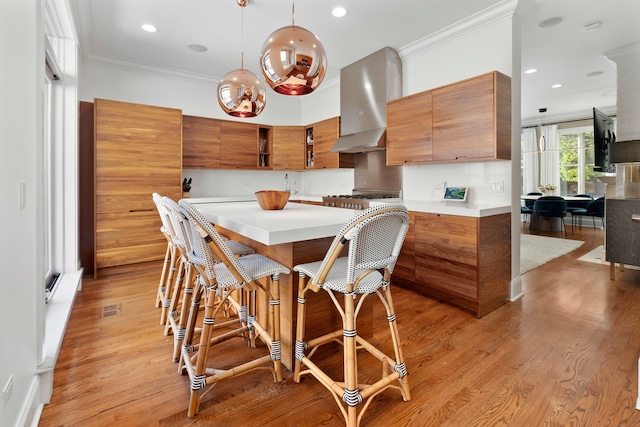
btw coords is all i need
(497, 186)
(247, 184)
(7, 391)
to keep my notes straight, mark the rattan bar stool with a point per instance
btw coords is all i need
(240, 282)
(190, 255)
(169, 267)
(374, 238)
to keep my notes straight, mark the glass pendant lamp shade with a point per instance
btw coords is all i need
(241, 94)
(293, 61)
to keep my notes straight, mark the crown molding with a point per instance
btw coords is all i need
(471, 24)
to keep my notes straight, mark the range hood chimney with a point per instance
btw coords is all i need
(365, 88)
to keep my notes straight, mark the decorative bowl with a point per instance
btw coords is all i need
(270, 200)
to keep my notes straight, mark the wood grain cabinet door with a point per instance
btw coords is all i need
(325, 135)
(409, 130)
(238, 145)
(472, 119)
(447, 256)
(288, 147)
(200, 143)
(138, 151)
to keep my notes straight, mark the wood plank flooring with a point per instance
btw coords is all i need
(566, 353)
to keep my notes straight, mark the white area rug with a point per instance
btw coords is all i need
(595, 256)
(538, 250)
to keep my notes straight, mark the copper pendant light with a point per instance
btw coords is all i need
(293, 60)
(240, 92)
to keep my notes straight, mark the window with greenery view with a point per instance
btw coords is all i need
(577, 161)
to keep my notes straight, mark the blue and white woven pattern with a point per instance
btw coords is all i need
(249, 267)
(375, 237)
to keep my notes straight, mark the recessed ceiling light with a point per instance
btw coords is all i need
(197, 48)
(556, 86)
(531, 71)
(551, 22)
(595, 73)
(149, 28)
(339, 12)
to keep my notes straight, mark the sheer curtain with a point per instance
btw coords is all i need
(550, 156)
(530, 169)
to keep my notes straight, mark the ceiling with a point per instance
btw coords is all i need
(109, 32)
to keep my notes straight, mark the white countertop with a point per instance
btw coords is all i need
(296, 222)
(456, 208)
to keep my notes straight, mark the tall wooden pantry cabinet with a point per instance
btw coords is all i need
(138, 151)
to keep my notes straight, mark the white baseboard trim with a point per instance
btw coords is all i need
(516, 289)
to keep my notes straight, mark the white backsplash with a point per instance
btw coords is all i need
(419, 182)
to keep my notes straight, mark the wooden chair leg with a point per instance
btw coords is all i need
(299, 345)
(163, 276)
(185, 314)
(175, 301)
(166, 296)
(276, 353)
(397, 347)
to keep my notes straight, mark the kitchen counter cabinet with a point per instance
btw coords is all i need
(472, 119)
(409, 129)
(200, 143)
(138, 151)
(288, 147)
(463, 260)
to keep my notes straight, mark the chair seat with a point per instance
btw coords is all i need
(337, 278)
(255, 265)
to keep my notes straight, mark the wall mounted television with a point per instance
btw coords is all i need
(603, 135)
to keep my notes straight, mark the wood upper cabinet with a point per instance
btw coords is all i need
(138, 151)
(462, 260)
(200, 142)
(472, 119)
(288, 147)
(239, 145)
(325, 134)
(409, 129)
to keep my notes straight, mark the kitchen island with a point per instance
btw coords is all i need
(297, 234)
(458, 253)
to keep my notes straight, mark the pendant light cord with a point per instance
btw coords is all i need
(293, 10)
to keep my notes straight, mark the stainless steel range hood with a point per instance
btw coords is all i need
(365, 88)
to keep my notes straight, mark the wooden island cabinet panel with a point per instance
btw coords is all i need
(462, 260)
(288, 147)
(200, 142)
(409, 129)
(138, 151)
(472, 119)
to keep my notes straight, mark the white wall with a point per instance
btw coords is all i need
(20, 157)
(194, 97)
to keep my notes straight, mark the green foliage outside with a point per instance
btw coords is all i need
(569, 158)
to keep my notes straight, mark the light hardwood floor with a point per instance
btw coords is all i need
(566, 353)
